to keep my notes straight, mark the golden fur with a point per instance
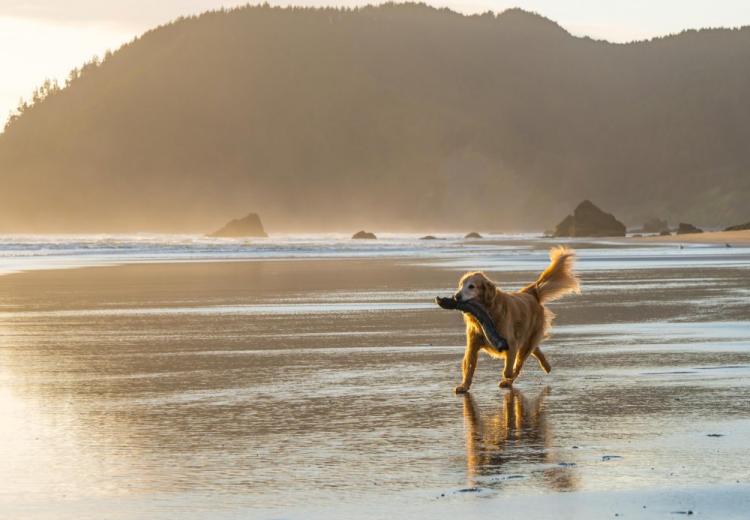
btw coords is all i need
(519, 316)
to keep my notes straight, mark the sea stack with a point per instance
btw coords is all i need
(589, 221)
(250, 226)
(687, 229)
(364, 235)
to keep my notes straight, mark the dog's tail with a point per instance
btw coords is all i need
(558, 279)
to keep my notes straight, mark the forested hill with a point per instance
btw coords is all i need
(390, 117)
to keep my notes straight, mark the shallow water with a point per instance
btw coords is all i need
(34, 252)
(323, 388)
(495, 252)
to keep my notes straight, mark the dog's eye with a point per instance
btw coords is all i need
(471, 286)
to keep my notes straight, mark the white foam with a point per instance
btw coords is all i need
(497, 253)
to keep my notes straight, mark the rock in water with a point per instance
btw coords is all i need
(364, 235)
(473, 234)
(739, 227)
(589, 221)
(428, 237)
(687, 229)
(250, 226)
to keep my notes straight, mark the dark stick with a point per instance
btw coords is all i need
(481, 315)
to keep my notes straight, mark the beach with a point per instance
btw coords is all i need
(733, 238)
(290, 380)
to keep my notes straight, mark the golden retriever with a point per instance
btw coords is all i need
(519, 316)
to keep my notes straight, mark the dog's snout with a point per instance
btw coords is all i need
(457, 296)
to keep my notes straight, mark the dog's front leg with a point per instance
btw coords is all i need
(468, 366)
(474, 340)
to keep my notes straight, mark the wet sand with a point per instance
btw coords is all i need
(323, 389)
(734, 238)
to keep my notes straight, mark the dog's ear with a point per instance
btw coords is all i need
(488, 293)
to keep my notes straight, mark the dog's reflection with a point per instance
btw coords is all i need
(516, 435)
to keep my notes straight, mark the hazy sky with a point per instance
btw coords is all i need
(47, 38)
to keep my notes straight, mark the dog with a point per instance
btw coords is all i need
(520, 316)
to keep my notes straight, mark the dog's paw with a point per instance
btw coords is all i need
(461, 389)
(505, 383)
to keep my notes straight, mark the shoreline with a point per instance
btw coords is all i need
(733, 238)
(53, 256)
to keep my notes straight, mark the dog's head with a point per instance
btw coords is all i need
(476, 286)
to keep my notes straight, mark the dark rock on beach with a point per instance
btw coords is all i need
(687, 229)
(739, 227)
(589, 221)
(665, 233)
(250, 226)
(606, 458)
(428, 237)
(364, 235)
(473, 234)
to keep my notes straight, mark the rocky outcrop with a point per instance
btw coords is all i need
(739, 227)
(363, 235)
(428, 237)
(473, 234)
(589, 221)
(250, 226)
(665, 233)
(655, 225)
(687, 229)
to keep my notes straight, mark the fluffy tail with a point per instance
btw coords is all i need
(558, 279)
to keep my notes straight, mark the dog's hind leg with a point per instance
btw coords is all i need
(511, 358)
(543, 363)
(529, 348)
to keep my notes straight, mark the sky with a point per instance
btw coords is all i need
(46, 38)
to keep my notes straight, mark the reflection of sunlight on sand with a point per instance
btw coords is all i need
(55, 444)
(262, 309)
(30, 445)
(40, 451)
(714, 336)
(516, 432)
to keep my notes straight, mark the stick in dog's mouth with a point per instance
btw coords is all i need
(478, 311)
